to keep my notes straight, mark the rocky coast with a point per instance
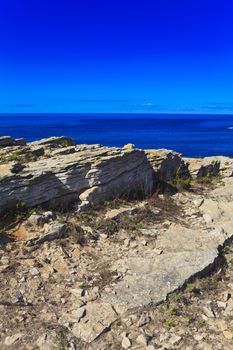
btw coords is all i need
(114, 248)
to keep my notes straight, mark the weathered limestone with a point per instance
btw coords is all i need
(64, 150)
(116, 213)
(39, 229)
(94, 175)
(210, 166)
(151, 278)
(56, 170)
(20, 142)
(129, 146)
(10, 340)
(98, 319)
(6, 141)
(185, 253)
(54, 142)
(84, 288)
(202, 167)
(40, 220)
(167, 165)
(55, 231)
(226, 165)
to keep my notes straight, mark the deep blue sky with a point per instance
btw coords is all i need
(116, 56)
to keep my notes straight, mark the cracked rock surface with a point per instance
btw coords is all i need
(60, 293)
(96, 173)
(155, 273)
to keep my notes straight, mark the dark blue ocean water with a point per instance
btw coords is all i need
(192, 135)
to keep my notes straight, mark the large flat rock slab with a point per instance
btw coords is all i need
(151, 278)
(186, 252)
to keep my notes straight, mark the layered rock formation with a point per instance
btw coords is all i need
(210, 166)
(167, 165)
(56, 170)
(84, 173)
(6, 141)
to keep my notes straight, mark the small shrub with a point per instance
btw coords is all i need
(182, 184)
(177, 297)
(14, 156)
(170, 323)
(3, 158)
(173, 311)
(201, 322)
(22, 213)
(226, 250)
(187, 319)
(84, 286)
(62, 338)
(178, 173)
(64, 143)
(107, 204)
(210, 180)
(190, 287)
(30, 157)
(78, 233)
(107, 226)
(205, 180)
(139, 225)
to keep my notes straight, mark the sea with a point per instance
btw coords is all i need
(189, 134)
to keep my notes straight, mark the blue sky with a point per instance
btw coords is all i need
(172, 56)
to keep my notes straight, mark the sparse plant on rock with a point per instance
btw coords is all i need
(77, 233)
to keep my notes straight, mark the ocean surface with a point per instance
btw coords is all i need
(191, 135)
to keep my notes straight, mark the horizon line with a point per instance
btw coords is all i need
(121, 113)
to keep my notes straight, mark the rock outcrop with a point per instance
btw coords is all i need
(6, 141)
(203, 167)
(56, 170)
(185, 252)
(94, 280)
(92, 174)
(54, 142)
(167, 165)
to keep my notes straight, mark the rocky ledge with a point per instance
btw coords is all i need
(114, 248)
(56, 170)
(82, 174)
